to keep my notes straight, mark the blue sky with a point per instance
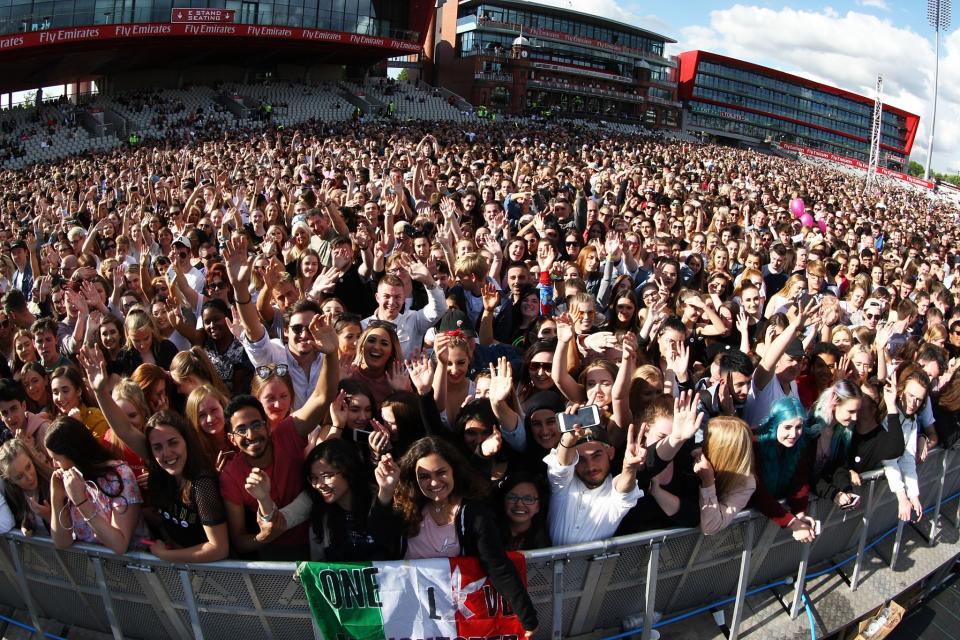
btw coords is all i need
(844, 43)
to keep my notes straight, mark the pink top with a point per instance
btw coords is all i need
(434, 540)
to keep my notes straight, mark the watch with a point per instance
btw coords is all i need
(269, 517)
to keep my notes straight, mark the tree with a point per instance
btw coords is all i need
(915, 168)
(404, 75)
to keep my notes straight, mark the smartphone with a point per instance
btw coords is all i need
(817, 528)
(586, 417)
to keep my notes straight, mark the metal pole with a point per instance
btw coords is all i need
(933, 118)
(557, 631)
(897, 543)
(935, 519)
(801, 581)
(106, 597)
(24, 587)
(742, 582)
(650, 599)
(862, 544)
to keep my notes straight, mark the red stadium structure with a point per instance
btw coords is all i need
(739, 100)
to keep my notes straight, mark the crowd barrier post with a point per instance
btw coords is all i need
(191, 602)
(557, 626)
(599, 569)
(864, 529)
(106, 597)
(743, 581)
(801, 581)
(935, 518)
(24, 587)
(897, 544)
(650, 594)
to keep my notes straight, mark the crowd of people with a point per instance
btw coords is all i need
(399, 340)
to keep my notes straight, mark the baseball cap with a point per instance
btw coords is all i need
(18, 244)
(456, 320)
(183, 241)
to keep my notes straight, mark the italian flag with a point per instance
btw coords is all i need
(443, 598)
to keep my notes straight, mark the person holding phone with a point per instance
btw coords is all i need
(833, 420)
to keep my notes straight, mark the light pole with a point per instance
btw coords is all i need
(938, 15)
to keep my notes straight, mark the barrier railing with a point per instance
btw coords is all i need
(639, 581)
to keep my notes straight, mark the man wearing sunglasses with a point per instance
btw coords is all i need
(301, 354)
(182, 251)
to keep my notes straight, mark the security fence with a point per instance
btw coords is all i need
(579, 590)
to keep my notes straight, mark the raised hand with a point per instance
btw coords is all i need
(338, 411)
(546, 256)
(635, 454)
(686, 418)
(324, 335)
(613, 244)
(501, 381)
(490, 296)
(492, 444)
(94, 366)
(326, 280)
(564, 327)
(235, 257)
(890, 393)
(420, 369)
(387, 474)
(397, 376)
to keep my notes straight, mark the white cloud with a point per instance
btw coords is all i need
(846, 50)
(876, 4)
(614, 10)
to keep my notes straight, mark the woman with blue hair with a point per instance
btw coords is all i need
(783, 469)
(832, 423)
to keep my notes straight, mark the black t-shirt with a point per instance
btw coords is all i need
(184, 524)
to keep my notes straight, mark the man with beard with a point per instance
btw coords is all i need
(269, 458)
(586, 503)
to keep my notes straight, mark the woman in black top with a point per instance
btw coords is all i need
(144, 345)
(185, 493)
(525, 498)
(336, 501)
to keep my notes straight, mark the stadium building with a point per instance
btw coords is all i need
(75, 41)
(526, 58)
(740, 101)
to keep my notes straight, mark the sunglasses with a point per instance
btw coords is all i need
(873, 316)
(539, 366)
(267, 371)
(216, 286)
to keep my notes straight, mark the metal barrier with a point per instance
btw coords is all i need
(578, 590)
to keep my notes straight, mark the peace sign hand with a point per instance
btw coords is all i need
(635, 454)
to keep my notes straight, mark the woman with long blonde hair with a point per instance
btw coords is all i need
(725, 467)
(192, 368)
(204, 411)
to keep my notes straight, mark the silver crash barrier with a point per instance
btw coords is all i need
(626, 583)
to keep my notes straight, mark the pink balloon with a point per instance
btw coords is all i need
(822, 226)
(806, 220)
(797, 207)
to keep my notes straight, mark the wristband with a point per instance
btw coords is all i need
(267, 518)
(247, 301)
(80, 504)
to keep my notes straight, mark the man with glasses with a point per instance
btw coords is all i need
(301, 354)
(269, 461)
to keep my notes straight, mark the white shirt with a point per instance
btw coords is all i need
(580, 514)
(759, 401)
(901, 472)
(412, 325)
(269, 350)
(194, 277)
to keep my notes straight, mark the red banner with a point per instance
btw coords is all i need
(858, 164)
(180, 14)
(74, 35)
